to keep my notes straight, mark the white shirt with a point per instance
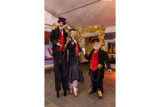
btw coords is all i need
(61, 28)
(75, 41)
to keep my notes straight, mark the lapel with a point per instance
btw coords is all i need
(100, 55)
(58, 32)
(64, 32)
(92, 52)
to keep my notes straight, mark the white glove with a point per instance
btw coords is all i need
(109, 70)
(58, 44)
(72, 42)
(83, 50)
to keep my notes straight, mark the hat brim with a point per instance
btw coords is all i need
(62, 21)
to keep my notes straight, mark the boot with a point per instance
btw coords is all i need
(71, 90)
(91, 91)
(75, 92)
(99, 93)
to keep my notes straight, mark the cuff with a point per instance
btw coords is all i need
(54, 42)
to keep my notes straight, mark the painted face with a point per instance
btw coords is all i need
(96, 45)
(60, 23)
(73, 34)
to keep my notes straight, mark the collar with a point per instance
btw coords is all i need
(60, 27)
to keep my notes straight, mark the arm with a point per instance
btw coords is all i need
(88, 56)
(106, 60)
(52, 38)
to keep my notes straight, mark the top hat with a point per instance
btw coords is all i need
(61, 19)
(95, 40)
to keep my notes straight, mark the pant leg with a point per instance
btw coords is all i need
(100, 84)
(64, 69)
(93, 82)
(100, 80)
(58, 76)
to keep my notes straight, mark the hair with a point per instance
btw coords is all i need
(72, 30)
(69, 33)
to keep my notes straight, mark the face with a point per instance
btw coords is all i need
(73, 34)
(96, 45)
(60, 24)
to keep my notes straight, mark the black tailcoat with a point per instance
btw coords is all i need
(75, 72)
(61, 70)
(55, 37)
(97, 83)
(102, 57)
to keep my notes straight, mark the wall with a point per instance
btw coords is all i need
(109, 29)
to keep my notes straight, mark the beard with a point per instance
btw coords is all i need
(96, 47)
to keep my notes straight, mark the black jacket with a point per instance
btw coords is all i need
(72, 51)
(75, 72)
(54, 38)
(102, 57)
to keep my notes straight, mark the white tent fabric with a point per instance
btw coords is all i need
(49, 20)
(83, 12)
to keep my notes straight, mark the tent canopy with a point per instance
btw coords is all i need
(83, 12)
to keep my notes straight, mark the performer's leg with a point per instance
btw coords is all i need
(100, 84)
(93, 82)
(96, 78)
(65, 75)
(100, 87)
(74, 84)
(57, 76)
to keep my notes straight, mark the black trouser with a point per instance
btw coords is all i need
(96, 80)
(61, 71)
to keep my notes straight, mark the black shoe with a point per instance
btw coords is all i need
(57, 94)
(65, 92)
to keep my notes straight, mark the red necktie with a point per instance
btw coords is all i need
(77, 49)
(61, 40)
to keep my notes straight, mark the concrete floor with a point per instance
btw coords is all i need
(83, 99)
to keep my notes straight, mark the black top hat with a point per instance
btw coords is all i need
(61, 19)
(95, 40)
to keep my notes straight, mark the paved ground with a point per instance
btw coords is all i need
(83, 99)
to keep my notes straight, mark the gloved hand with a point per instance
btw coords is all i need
(83, 50)
(72, 42)
(109, 70)
(58, 44)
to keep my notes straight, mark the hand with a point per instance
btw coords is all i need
(109, 70)
(58, 44)
(83, 50)
(72, 42)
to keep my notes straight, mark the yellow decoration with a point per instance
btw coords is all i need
(66, 29)
(114, 56)
(89, 29)
(110, 50)
(54, 26)
(109, 56)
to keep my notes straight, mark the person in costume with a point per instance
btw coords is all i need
(75, 72)
(58, 40)
(97, 57)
